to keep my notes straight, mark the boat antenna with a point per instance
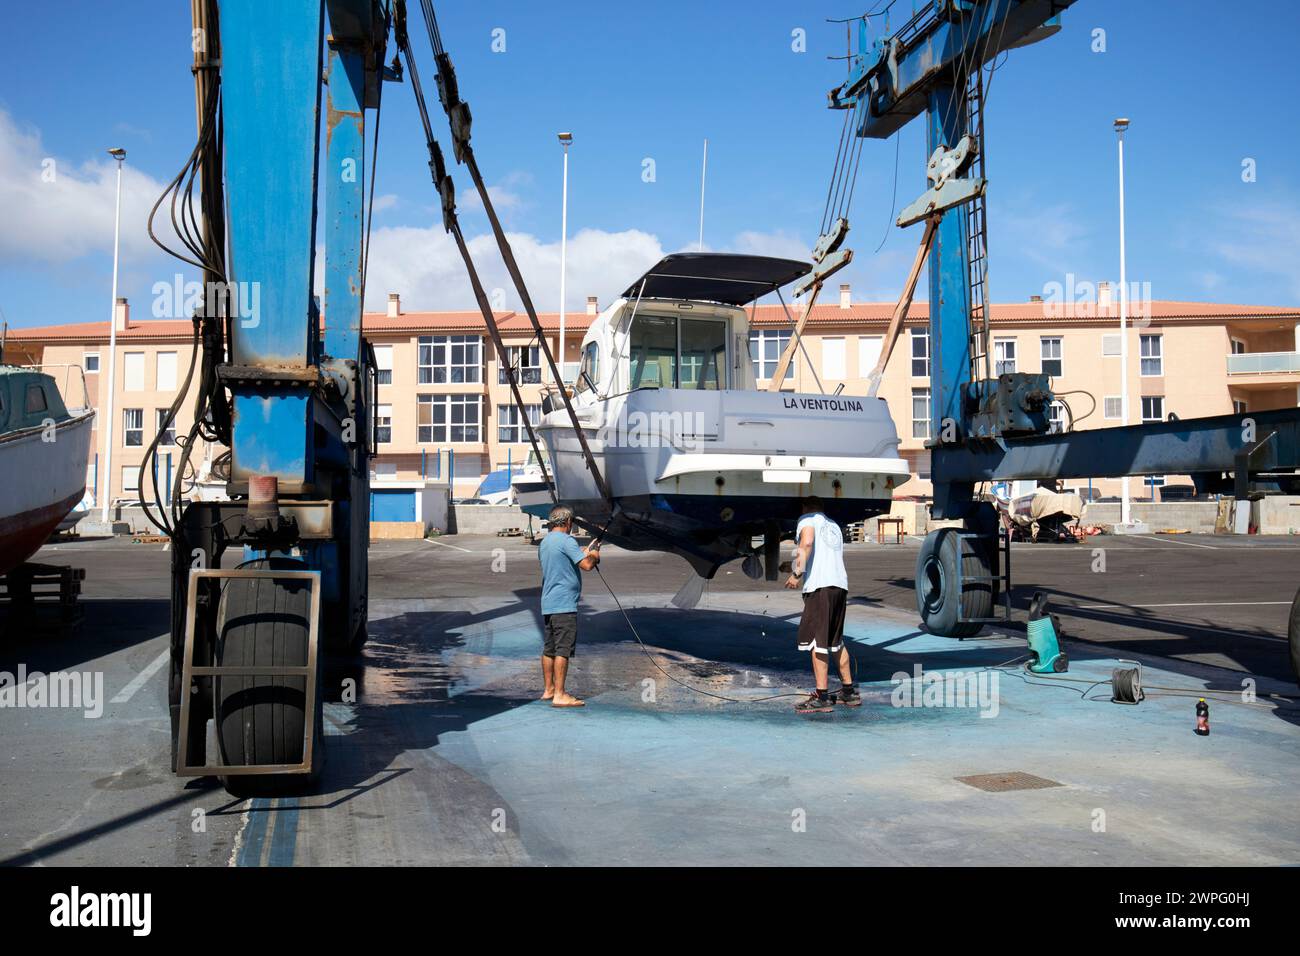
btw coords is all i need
(704, 169)
(458, 117)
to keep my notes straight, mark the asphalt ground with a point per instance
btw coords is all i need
(446, 756)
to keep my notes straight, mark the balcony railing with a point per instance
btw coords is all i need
(1257, 363)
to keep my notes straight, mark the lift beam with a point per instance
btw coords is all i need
(984, 428)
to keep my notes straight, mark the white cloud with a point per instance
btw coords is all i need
(425, 267)
(1052, 235)
(777, 243)
(1261, 238)
(59, 209)
(506, 195)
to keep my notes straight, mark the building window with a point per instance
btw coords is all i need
(1056, 417)
(448, 418)
(834, 360)
(133, 372)
(1111, 344)
(526, 360)
(90, 362)
(1153, 408)
(1238, 347)
(1239, 407)
(384, 364)
(166, 371)
(510, 427)
(921, 354)
(166, 435)
(133, 427)
(383, 424)
(869, 347)
(1004, 356)
(1051, 351)
(1152, 357)
(765, 348)
(920, 413)
(385, 471)
(449, 359)
(1113, 407)
(130, 478)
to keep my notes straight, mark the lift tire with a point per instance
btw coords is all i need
(1293, 636)
(260, 720)
(937, 599)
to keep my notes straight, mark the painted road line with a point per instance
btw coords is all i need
(142, 678)
(254, 832)
(284, 835)
(1193, 604)
(1172, 540)
(446, 545)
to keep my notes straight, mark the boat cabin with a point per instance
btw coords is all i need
(28, 398)
(682, 325)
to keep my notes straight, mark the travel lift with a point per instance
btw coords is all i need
(986, 428)
(248, 643)
(292, 392)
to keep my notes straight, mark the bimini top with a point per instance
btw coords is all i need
(716, 277)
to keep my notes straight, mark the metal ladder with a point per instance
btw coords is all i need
(977, 235)
(1000, 582)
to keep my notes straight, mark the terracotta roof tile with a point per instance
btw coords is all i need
(867, 314)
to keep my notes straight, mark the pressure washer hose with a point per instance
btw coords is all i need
(699, 690)
(1121, 691)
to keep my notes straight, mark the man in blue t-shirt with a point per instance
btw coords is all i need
(562, 559)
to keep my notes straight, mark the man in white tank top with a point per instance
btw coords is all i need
(818, 567)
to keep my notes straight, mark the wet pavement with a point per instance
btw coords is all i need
(445, 756)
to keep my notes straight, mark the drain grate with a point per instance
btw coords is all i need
(1003, 782)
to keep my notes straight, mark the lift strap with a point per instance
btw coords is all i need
(451, 222)
(904, 303)
(458, 116)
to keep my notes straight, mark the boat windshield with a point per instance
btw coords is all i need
(668, 352)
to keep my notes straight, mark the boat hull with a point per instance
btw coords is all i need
(40, 482)
(702, 473)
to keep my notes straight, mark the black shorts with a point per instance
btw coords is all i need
(821, 627)
(560, 634)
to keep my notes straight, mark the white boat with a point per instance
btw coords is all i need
(531, 489)
(44, 450)
(699, 461)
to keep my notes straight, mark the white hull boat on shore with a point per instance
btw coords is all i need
(44, 449)
(698, 461)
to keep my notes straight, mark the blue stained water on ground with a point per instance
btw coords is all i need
(652, 772)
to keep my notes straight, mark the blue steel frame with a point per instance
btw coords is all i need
(923, 67)
(298, 378)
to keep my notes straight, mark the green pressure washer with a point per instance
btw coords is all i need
(1044, 628)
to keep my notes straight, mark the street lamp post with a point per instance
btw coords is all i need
(1125, 511)
(565, 140)
(106, 481)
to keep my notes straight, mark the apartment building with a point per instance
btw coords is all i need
(446, 412)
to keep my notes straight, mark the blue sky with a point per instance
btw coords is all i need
(637, 81)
